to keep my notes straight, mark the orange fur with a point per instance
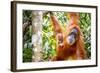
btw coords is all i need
(65, 51)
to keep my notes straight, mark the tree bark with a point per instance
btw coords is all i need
(37, 36)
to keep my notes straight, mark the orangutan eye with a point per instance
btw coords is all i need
(60, 38)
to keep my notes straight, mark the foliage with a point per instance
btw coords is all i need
(27, 15)
(27, 55)
(27, 35)
(85, 24)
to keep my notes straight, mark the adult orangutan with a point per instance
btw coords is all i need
(70, 43)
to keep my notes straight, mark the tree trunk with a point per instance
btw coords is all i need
(37, 36)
